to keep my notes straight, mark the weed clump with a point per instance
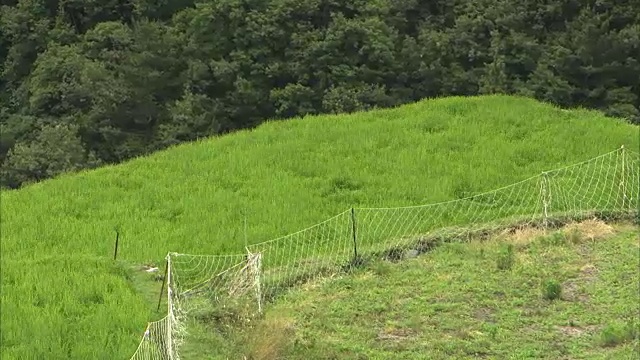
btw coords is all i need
(552, 289)
(506, 258)
(616, 334)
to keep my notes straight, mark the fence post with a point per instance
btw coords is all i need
(544, 194)
(164, 281)
(623, 186)
(355, 236)
(115, 250)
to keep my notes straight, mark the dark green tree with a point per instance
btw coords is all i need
(56, 149)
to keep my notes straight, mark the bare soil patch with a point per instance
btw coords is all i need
(395, 334)
(576, 330)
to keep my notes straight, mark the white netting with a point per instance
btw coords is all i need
(606, 186)
(388, 229)
(161, 337)
(154, 344)
(319, 250)
(201, 281)
(206, 288)
(631, 179)
(600, 184)
(607, 183)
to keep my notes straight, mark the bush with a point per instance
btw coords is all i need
(616, 334)
(552, 289)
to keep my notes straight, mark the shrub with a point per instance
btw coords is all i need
(552, 289)
(616, 334)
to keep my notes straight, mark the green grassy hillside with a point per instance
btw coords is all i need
(455, 303)
(62, 297)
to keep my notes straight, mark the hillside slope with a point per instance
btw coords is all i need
(63, 298)
(455, 303)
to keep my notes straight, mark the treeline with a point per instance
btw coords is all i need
(91, 82)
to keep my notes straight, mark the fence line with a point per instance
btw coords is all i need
(606, 185)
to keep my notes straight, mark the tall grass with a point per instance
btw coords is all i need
(69, 307)
(57, 236)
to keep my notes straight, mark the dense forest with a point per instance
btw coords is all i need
(91, 82)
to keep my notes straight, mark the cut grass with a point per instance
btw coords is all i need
(454, 303)
(283, 176)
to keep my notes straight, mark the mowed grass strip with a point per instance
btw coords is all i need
(283, 176)
(570, 294)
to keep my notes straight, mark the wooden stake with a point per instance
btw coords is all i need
(164, 281)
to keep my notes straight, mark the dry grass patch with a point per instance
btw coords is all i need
(524, 236)
(575, 232)
(591, 230)
(519, 237)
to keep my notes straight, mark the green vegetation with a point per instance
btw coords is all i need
(84, 83)
(454, 303)
(63, 298)
(552, 289)
(505, 258)
(69, 306)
